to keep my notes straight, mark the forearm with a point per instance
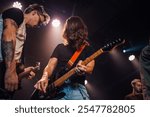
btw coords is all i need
(48, 71)
(8, 53)
(8, 42)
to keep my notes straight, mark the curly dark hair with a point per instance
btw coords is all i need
(75, 31)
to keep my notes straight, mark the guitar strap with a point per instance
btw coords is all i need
(75, 56)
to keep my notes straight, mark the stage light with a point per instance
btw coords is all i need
(55, 22)
(85, 82)
(17, 5)
(124, 51)
(131, 57)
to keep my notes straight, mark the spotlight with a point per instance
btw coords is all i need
(55, 22)
(124, 51)
(17, 5)
(85, 82)
(131, 57)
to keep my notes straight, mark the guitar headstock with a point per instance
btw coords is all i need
(37, 66)
(112, 45)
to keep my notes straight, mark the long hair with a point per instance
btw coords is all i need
(75, 31)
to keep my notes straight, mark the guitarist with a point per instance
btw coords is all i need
(13, 23)
(75, 35)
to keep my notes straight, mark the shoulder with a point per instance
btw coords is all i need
(58, 48)
(15, 14)
(129, 96)
(61, 45)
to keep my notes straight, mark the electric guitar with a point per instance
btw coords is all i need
(22, 72)
(52, 86)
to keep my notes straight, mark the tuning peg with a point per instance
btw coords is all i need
(119, 39)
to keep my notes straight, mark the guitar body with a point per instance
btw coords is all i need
(51, 92)
(38, 95)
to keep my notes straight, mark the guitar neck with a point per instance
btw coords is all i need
(92, 57)
(61, 80)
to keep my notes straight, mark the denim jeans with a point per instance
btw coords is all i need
(74, 92)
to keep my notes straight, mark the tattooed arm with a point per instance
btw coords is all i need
(8, 48)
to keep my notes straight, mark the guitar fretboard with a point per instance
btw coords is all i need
(92, 57)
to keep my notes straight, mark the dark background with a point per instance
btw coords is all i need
(107, 20)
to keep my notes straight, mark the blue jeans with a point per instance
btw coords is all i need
(74, 92)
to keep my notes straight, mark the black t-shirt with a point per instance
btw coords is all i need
(64, 53)
(134, 97)
(15, 14)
